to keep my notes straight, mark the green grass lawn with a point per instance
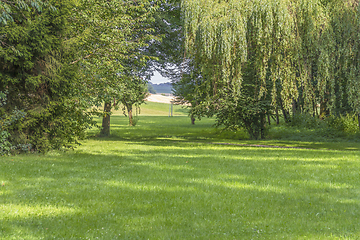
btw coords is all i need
(163, 180)
(157, 109)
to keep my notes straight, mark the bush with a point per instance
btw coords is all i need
(347, 124)
(41, 110)
(330, 128)
(306, 121)
(5, 145)
(9, 123)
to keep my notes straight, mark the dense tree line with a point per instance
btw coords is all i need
(59, 59)
(258, 57)
(36, 79)
(237, 60)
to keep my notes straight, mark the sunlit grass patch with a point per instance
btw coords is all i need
(22, 211)
(156, 109)
(156, 181)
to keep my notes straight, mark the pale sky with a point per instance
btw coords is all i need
(157, 78)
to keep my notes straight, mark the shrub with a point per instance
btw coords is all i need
(330, 127)
(9, 125)
(41, 109)
(347, 123)
(306, 121)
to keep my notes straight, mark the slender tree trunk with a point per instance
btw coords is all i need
(286, 118)
(105, 130)
(323, 109)
(130, 114)
(294, 107)
(262, 122)
(359, 120)
(192, 120)
(192, 115)
(268, 117)
(277, 115)
(314, 106)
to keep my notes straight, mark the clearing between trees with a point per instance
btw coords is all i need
(162, 180)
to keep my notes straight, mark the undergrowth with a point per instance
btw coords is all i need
(304, 127)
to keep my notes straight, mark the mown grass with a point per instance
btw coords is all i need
(157, 109)
(163, 180)
(179, 128)
(278, 135)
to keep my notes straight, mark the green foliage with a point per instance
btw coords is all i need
(243, 113)
(187, 89)
(171, 59)
(347, 124)
(35, 71)
(151, 88)
(5, 145)
(111, 38)
(304, 127)
(298, 54)
(9, 129)
(306, 121)
(134, 90)
(9, 9)
(168, 49)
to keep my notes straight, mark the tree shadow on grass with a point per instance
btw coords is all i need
(181, 192)
(152, 128)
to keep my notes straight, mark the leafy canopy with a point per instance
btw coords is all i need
(304, 51)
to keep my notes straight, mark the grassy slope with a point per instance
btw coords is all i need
(161, 180)
(157, 109)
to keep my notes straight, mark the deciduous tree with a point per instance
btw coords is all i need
(111, 34)
(248, 49)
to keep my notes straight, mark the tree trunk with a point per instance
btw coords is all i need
(314, 106)
(277, 116)
(316, 110)
(263, 123)
(105, 130)
(294, 106)
(323, 109)
(268, 117)
(129, 108)
(359, 120)
(286, 118)
(192, 116)
(192, 120)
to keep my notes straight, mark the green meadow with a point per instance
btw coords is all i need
(157, 109)
(168, 179)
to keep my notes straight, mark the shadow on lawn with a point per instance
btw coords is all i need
(151, 128)
(181, 191)
(211, 135)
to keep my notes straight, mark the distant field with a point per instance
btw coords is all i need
(158, 109)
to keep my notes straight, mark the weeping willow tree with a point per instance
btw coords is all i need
(259, 55)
